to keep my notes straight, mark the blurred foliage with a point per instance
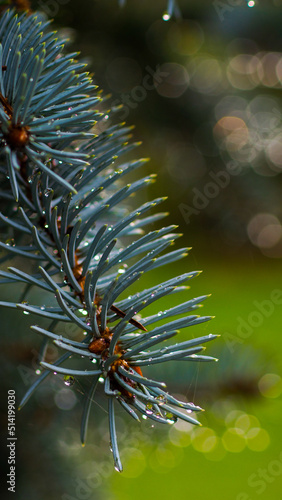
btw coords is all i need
(218, 108)
(203, 92)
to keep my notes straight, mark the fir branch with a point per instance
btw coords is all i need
(66, 208)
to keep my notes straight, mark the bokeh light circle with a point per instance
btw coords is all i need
(134, 462)
(270, 385)
(203, 439)
(233, 440)
(257, 439)
(171, 80)
(264, 230)
(186, 37)
(65, 399)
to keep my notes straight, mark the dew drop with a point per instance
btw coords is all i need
(149, 410)
(80, 174)
(10, 242)
(82, 311)
(47, 192)
(24, 302)
(161, 399)
(69, 380)
(171, 418)
(38, 372)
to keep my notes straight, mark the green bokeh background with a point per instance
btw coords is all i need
(161, 463)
